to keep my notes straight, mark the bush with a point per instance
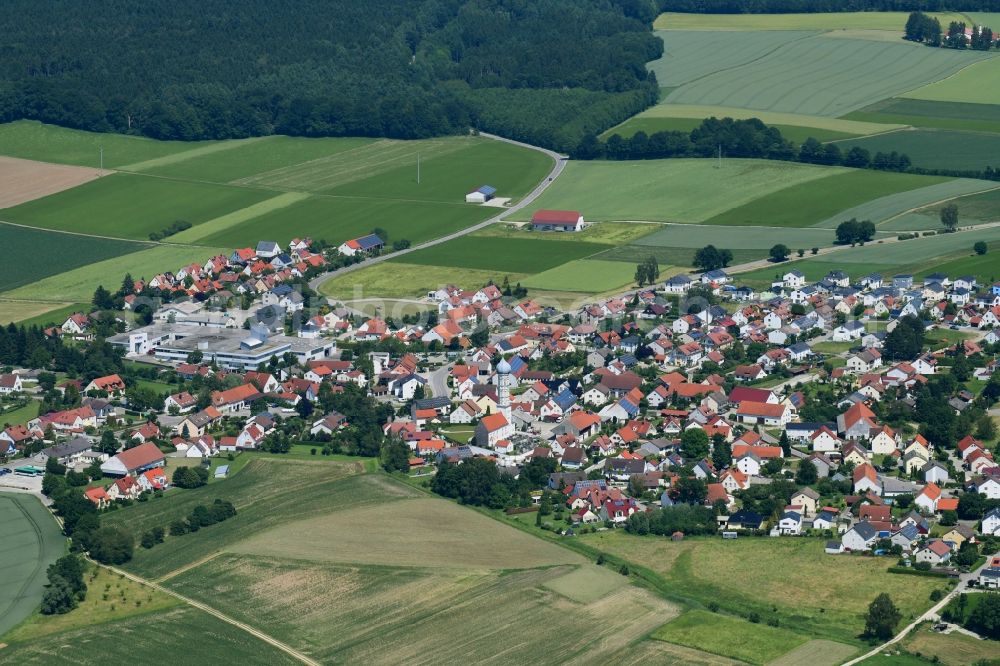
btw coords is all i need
(754, 617)
(111, 545)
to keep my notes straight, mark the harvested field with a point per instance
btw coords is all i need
(425, 532)
(674, 190)
(27, 180)
(588, 583)
(162, 636)
(15, 311)
(653, 652)
(419, 616)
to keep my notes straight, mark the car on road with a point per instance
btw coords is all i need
(4, 470)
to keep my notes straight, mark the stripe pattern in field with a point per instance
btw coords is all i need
(201, 150)
(365, 161)
(236, 218)
(821, 76)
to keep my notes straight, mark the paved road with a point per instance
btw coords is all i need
(439, 381)
(557, 168)
(929, 616)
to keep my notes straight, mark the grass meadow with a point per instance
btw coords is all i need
(922, 113)
(515, 255)
(132, 206)
(977, 83)
(984, 206)
(736, 238)
(674, 190)
(399, 279)
(46, 253)
(730, 636)
(589, 275)
(935, 148)
(20, 311)
(32, 540)
(806, 204)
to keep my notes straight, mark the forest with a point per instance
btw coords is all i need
(212, 69)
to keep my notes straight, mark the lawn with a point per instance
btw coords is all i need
(180, 635)
(21, 415)
(772, 573)
(806, 204)
(584, 275)
(729, 636)
(976, 84)
(923, 113)
(395, 279)
(133, 206)
(674, 190)
(818, 21)
(32, 540)
(242, 159)
(821, 76)
(33, 140)
(935, 148)
(892, 206)
(337, 219)
(79, 284)
(56, 252)
(31, 311)
(514, 255)
(110, 597)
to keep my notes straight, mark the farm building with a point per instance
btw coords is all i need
(557, 220)
(133, 461)
(481, 194)
(365, 245)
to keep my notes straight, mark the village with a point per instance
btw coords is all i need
(858, 413)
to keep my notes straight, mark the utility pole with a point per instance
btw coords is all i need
(102, 159)
(418, 168)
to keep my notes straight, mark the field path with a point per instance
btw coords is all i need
(287, 649)
(184, 155)
(557, 168)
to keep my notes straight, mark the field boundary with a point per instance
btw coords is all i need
(938, 203)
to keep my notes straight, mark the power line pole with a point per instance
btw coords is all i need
(418, 168)
(102, 158)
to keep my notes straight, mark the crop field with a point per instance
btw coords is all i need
(817, 653)
(33, 140)
(923, 113)
(884, 208)
(337, 219)
(15, 311)
(32, 540)
(737, 238)
(398, 279)
(161, 637)
(674, 256)
(237, 218)
(233, 160)
(818, 21)
(985, 267)
(62, 252)
(590, 275)
(26, 180)
(984, 207)
(806, 204)
(78, 284)
(821, 76)
(606, 233)
(730, 636)
(975, 84)
(131, 206)
(675, 190)
(423, 531)
(782, 568)
(935, 148)
(51, 316)
(516, 255)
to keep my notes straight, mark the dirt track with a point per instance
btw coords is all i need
(25, 180)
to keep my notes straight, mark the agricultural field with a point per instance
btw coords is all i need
(975, 84)
(32, 540)
(730, 636)
(590, 275)
(161, 636)
(515, 255)
(78, 284)
(819, 21)
(984, 207)
(678, 257)
(935, 148)
(62, 252)
(56, 315)
(953, 649)
(675, 190)
(398, 279)
(783, 567)
(26, 180)
(922, 113)
(651, 124)
(741, 238)
(132, 206)
(807, 204)
(18, 311)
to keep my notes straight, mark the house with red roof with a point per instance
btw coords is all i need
(236, 398)
(113, 385)
(133, 461)
(98, 496)
(557, 220)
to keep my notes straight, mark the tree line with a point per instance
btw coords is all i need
(193, 69)
(926, 29)
(817, 6)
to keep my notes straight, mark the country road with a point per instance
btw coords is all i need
(557, 168)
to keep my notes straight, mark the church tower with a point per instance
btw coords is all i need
(503, 389)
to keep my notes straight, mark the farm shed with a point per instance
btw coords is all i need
(557, 220)
(481, 194)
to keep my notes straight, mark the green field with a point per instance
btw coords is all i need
(975, 84)
(818, 21)
(807, 204)
(337, 219)
(894, 205)
(592, 275)
(984, 207)
(21, 415)
(802, 123)
(675, 256)
(606, 233)
(35, 254)
(32, 540)
(78, 284)
(515, 255)
(730, 636)
(923, 113)
(737, 238)
(398, 279)
(31, 311)
(182, 634)
(33, 140)
(935, 148)
(821, 76)
(652, 124)
(132, 206)
(675, 190)
(51, 315)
